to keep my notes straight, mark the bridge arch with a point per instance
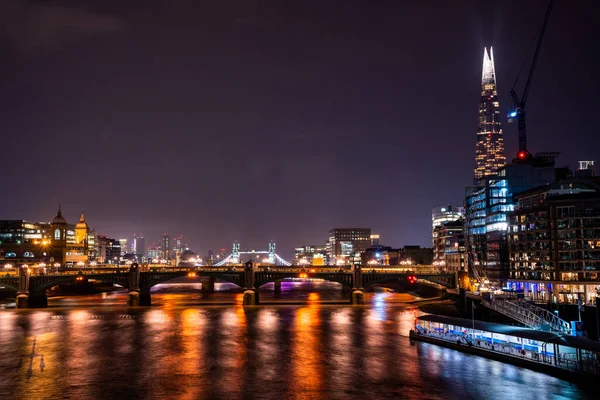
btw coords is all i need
(262, 278)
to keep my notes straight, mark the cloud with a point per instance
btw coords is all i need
(34, 27)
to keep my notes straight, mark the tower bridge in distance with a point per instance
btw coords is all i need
(31, 289)
(237, 255)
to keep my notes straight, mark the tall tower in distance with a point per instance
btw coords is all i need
(489, 150)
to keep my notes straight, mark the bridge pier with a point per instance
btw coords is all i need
(250, 292)
(139, 298)
(357, 297)
(277, 287)
(22, 299)
(250, 297)
(208, 284)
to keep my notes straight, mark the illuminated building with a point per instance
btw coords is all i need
(375, 239)
(92, 244)
(345, 243)
(310, 255)
(56, 242)
(123, 244)
(109, 250)
(449, 246)
(154, 253)
(554, 241)
(489, 148)
(486, 221)
(23, 241)
(585, 169)
(449, 213)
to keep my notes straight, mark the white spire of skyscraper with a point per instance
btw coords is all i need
(488, 74)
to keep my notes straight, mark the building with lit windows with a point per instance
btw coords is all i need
(346, 243)
(489, 148)
(449, 213)
(123, 244)
(109, 250)
(310, 255)
(554, 241)
(51, 243)
(486, 216)
(449, 246)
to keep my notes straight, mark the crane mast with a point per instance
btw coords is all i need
(519, 103)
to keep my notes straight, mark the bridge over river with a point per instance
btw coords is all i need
(31, 289)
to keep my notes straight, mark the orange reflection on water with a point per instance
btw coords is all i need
(307, 365)
(232, 351)
(313, 297)
(191, 359)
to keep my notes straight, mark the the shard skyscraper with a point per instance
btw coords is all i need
(489, 150)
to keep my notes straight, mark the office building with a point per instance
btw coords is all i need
(489, 148)
(347, 243)
(310, 255)
(486, 221)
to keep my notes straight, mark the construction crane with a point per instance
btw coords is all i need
(524, 156)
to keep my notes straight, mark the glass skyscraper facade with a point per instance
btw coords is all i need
(489, 149)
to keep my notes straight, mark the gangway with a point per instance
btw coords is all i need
(529, 315)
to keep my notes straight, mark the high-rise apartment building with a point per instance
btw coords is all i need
(489, 150)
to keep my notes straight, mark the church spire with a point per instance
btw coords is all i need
(82, 218)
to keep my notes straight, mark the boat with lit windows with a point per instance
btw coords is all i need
(549, 352)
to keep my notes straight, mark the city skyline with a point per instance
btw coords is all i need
(169, 156)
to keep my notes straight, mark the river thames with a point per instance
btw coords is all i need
(190, 345)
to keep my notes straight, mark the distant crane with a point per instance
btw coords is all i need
(519, 103)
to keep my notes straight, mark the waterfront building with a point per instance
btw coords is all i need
(486, 221)
(381, 255)
(56, 242)
(109, 250)
(554, 241)
(310, 255)
(24, 242)
(489, 148)
(417, 255)
(449, 246)
(345, 243)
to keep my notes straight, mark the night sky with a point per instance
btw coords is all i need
(274, 120)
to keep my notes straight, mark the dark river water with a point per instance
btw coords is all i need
(190, 346)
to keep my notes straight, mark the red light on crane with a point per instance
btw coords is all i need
(521, 155)
(412, 279)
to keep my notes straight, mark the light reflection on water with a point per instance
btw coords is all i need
(310, 351)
